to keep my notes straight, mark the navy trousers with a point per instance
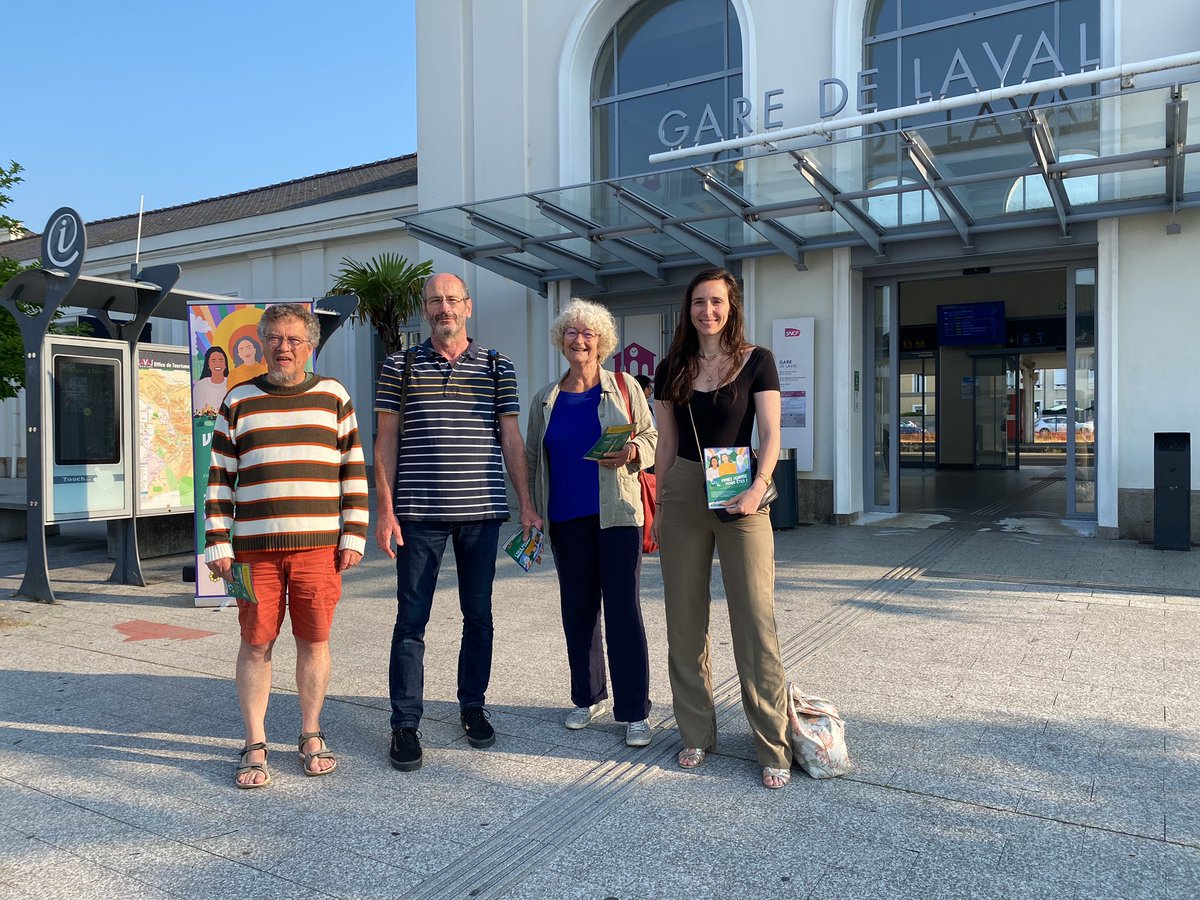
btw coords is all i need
(600, 568)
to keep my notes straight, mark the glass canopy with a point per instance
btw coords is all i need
(1017, 168)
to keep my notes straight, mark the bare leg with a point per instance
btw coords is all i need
(253, 679)
(312, 680)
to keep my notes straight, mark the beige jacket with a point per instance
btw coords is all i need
(620, 490)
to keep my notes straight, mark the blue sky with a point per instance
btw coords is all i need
(184, 101)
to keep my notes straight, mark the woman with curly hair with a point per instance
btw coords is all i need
(594, 515)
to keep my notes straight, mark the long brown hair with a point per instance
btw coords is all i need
(683, 359)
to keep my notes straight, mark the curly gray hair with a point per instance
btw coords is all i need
(301, 311)
(585, 314)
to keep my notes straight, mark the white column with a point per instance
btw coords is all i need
(1107, 401)
(262, 276)
(844, 342)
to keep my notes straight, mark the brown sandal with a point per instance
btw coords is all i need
(244, 766)
(323, 753)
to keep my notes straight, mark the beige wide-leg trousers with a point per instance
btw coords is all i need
(688, 531)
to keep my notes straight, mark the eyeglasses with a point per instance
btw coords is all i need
(277, 340)
(448, 302)
(572, 334)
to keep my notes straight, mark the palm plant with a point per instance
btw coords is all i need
(389, 293)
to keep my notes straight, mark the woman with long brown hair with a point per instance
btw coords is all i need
(711, 389)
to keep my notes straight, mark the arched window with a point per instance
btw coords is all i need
(918, 50)
(1030, 191)
(668, 74)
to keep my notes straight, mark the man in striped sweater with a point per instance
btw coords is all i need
(287, 493)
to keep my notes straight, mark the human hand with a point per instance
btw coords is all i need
(617, 458)
(346, 559)
(222, 568)
(529, 519)
(746, 503)
(387, 530)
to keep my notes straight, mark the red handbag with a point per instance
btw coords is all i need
(647, 480)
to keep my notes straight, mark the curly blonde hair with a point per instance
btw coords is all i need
(584, 314)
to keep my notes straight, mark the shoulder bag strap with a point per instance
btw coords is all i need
(624, 389)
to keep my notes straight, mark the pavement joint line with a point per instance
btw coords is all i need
(1105, 586)
(1027, 815)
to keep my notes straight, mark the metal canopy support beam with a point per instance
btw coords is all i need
(780, 236)
(618, 247)
(1177, 118)
(702, 245)
(923, 161)
(868, 229)
(1046, 155)
(520, 240)
(502, 267)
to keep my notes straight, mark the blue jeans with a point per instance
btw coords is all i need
(418, 562)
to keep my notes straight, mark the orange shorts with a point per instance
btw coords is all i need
(304, 581)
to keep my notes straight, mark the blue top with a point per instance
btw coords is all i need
(574, 481)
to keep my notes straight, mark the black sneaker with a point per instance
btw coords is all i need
(405, 752)
(480, 732)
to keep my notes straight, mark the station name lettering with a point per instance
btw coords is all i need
(982, 67)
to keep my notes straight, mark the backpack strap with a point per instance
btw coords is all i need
(494, 365)
(410, 356)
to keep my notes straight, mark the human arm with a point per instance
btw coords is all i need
(352, 484)
(387, 445)
(665, 452)
(218, 499)
(534, 449)
(512, 446)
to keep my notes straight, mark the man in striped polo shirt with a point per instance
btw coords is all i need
(287, 493)
(444, 429)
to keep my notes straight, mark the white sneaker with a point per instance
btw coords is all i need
(583, 716)
(637, 734)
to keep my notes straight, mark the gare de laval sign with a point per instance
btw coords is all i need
(980, 67)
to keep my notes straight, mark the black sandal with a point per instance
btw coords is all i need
(324, 753)
(244, 766)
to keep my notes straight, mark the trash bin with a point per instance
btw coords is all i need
(1172, 490)
(785, 512)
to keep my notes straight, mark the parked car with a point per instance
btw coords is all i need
(1051, 426)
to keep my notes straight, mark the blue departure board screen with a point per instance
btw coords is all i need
(971, 323)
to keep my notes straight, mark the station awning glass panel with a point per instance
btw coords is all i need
(1016, 167)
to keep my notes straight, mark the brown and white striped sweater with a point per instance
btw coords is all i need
(287, 470)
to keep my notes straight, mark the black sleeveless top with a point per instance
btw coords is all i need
(724, 417)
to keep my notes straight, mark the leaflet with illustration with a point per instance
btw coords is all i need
(614, 438)
(525, 550)
(726, 474)
(240, 583)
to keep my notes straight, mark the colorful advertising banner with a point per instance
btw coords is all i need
(225, 352)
